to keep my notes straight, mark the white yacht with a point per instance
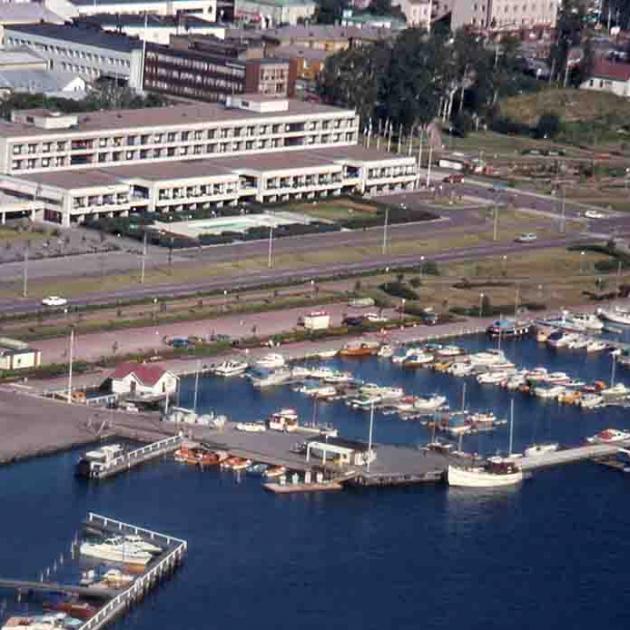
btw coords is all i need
(428, 403)
(492, 378)
(609, 435)
(116, 550)
(584, 321)
(271, 361)
(230, 368)
(495, 474)
(385, 351)
(487, 358)
(616, 391)
(418, 358)
(616, 314)
(459, 368)
(595, 345)
(141, 543)
(449, 351)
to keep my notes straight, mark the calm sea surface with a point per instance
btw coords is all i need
(550, 554)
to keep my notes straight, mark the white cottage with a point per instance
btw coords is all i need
(142, 379)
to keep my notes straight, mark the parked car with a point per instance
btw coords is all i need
(453, 178)
(353, 320)
(527, 237)
(594, 214)
(54, 300)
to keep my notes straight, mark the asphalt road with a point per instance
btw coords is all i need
(617, 223)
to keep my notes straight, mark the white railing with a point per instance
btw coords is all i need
(136, 454)
(122, 600)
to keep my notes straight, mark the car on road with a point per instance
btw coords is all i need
(497, 188)
(453, 178)
(594, 214)
(54, 300)
(527, 237)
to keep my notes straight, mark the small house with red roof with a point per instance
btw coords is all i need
(609, 74)
(142, 379)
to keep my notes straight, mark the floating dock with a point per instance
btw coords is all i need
(289, 488)
(570, 455)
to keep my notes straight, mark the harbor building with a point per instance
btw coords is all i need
(189, 157)
(142, 379)
(274, 12)
(82, 49)
(17, 355)
(503, 15)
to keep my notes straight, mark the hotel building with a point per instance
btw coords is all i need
(189, 157)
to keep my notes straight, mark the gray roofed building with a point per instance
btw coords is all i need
(26, 12)
(37, 81)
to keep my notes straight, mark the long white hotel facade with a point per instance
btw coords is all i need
(63, 168)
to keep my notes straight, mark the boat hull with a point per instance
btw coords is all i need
(461, 478)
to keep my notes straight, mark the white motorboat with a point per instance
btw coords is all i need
(608, 436)
(591, 401)
(327, 354)
(284, 420)
(595, 345)
(271, 361)
(141, 543)
(558, 339)
(116, 551)
(494, 475)
(558, 378)
(459, 368)
(449, 351)
(549, 391)
(270, 378)
(615, 392)
(418, 358)
(427, 404)
(578, 342)
(584, 321)
(391, 394)
(487, 358)
(492, 378)
(230, 368)
(541, 449)
(616, 314)
(385, 351)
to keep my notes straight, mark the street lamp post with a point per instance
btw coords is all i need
(503, 263)
(402, 309)
(421, 266)
(481, 296)
(582, 254)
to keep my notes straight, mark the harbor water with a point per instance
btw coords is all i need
(548, 554)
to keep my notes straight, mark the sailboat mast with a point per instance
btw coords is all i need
(511, 426)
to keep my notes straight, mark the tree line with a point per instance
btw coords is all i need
(416, 77)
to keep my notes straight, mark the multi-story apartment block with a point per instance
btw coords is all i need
(210, 69)
(503, 15)
(66, 168)
(83, 50)
(68, 9)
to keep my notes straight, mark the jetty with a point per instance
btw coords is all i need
(131, 459)
(26, 586)
(571, 455)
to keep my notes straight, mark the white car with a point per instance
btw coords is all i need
(594, 214)
(528, 237)
(54, 300)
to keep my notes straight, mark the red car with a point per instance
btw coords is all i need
(455, 178)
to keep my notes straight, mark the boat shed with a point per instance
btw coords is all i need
(340, 451)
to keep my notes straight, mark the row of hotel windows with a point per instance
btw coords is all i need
(33, 148)
(175, 152)
(69, 52)
(204, 66)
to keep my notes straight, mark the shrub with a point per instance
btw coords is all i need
(548, 126)
(399, 289)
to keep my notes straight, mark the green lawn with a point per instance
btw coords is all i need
(334, 210)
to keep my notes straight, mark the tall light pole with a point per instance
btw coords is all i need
(481, 296)
(429, 165)
(402, 309)
(25, 274)
(421, 266)
(70, 361)
(143, 258)
(270, 249)
(582, 254)
(385, 225)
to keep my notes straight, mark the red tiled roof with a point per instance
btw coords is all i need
(607, 69)
(145, 373)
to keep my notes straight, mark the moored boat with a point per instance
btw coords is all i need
(271, 361)
(495, 474)
(509, 328)
(358, 350)
(115, 550)
(275, 471)
(230, 368)
(541, 449)
(608, 436)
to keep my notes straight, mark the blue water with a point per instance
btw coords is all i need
(550, 554)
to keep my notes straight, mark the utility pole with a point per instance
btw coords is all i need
(517, 298)
(143, 259)
(388, 133)
(511, 427)
(196, 392)
(270, 250)
(419, 157)
(385, 225)
(369, 453)
(25, 274)
(429, 165)
(70, 361)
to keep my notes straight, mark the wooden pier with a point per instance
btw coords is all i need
(570, 455)
(166, 563)
(24, 586)
(134, 458)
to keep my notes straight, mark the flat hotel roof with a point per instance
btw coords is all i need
(207, 167)
(175, 115)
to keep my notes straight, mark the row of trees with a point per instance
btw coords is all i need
(418, 76)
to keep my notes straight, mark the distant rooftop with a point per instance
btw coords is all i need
(35, 80)
(326, 32)
(305, 52)
(285, 3)
(175, 116)
(19, 55)
(608, 69)
(185, 21)
(109, 3)
(83, 34)
(24, 12)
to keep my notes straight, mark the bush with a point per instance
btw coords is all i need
(548, 126)
(400, 290)
(430, 268)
